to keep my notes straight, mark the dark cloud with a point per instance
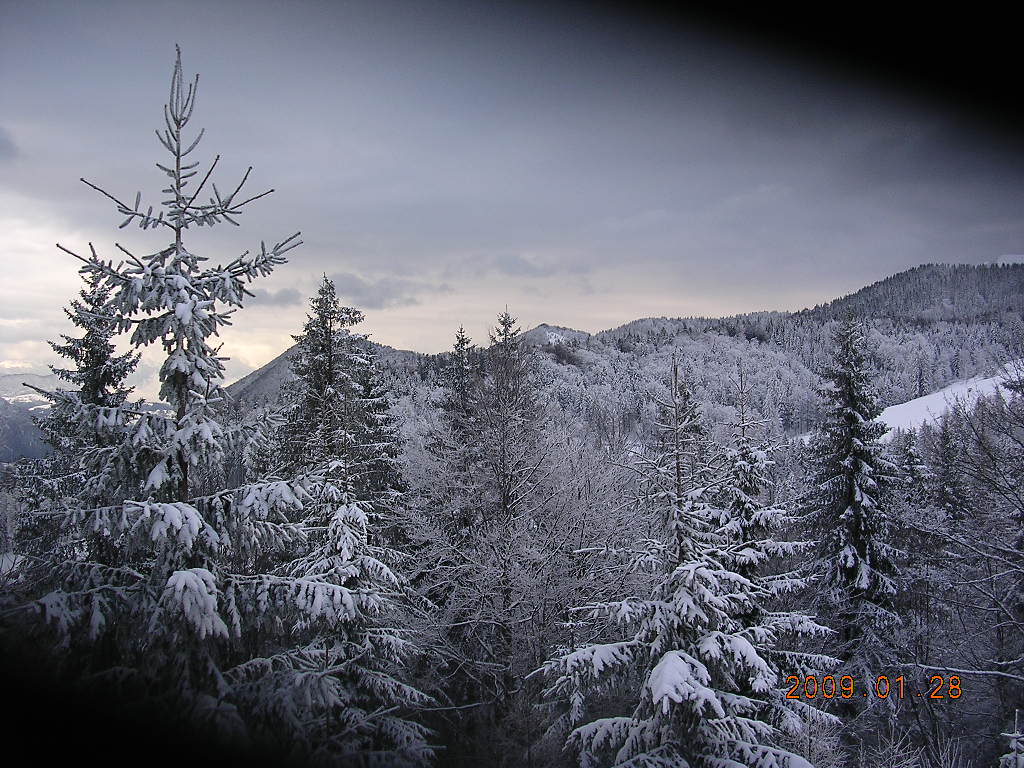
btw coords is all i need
(554, 262)
(285, 297)
(507, 263)
(382, 293)
(8, 150)
(520, 266)
(917, 150)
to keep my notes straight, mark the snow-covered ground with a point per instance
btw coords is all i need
(929, 408)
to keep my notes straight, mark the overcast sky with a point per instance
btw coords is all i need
(443, 160)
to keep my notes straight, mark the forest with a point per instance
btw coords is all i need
(683, 542)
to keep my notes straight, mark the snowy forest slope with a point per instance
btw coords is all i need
(936, 292)
(931, 326)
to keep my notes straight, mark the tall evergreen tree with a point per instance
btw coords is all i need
(477, 526)
(699, 646)
(97, 378)
(339, 431)
(507, 417)
(323, 401)
(949, 485)
(749, 526)
(458, 378)
(856, 561)
(157, 605)
(455, 446)
(192, 609)
(378, 440)
(88, 462)
(99, 373)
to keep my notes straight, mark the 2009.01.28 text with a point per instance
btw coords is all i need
(845, 687)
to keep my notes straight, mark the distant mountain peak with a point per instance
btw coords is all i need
(553, 334)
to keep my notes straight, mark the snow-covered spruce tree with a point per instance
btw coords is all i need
(88, 462)
(457, 445)
(480, 526)
(753, 541)
(458, 379)
(195, 613)
(378, 442)
(506, 422)
(339, 432)
(454, 447)
(751, 534)
(99, 374)
(922, 527)
(256, 454)
(699, 646)
(949, 486)
(855, 560)
(160, 605)
(322, 401)
(441, 520)
(691, 440)
(507, 410)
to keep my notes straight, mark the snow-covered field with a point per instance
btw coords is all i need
(929, 408)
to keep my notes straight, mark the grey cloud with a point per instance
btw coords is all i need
(285, 297)
(512, 264)
(933, 152)
(382, 293)
(518, 265)
(35, 331)
(8, 150)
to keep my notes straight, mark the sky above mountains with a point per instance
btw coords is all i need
(445, 160)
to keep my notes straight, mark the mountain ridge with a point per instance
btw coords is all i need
(925, 294)
(931, 325)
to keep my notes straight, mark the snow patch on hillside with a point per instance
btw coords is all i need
(31, 397)
(553, 334)
(929, 409)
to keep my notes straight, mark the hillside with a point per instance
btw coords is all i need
(19, 436)
(264, 384)
(18, 403)
(932, 292)
(13, 386)
(932, 325)
(928, 409)
(929, 298)
(554, 334)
